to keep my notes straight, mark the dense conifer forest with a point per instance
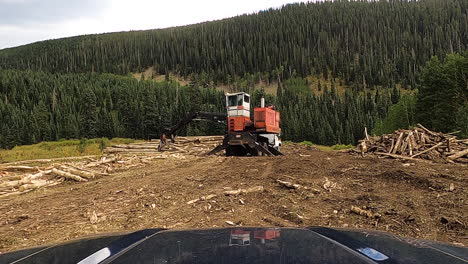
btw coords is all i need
(38, 106)
(80, 87)
(371, 43)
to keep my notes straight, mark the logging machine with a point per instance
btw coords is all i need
(244, 136)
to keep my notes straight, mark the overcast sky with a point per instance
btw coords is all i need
(26, 21)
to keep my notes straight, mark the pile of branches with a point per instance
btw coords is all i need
(419, 143)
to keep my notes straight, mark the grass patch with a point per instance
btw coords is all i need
(60, 149)
(326, 148)
(323, 148)
(341, 146)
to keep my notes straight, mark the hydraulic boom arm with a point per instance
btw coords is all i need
(171, 132)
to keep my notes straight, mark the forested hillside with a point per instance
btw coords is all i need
(367, 43)
(37, 106)
(75, 88)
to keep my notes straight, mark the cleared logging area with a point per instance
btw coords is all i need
(177, 189)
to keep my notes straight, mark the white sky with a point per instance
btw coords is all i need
(26, 21)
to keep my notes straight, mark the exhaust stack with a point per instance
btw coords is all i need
(262, 102)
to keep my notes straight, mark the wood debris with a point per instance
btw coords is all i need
(290, 185)
(230, 223)
(16, 179)
(243, 191)
(203, 198)
(367, 213)
(417, 144)
(329, 185)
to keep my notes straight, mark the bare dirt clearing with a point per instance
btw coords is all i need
(417, 199)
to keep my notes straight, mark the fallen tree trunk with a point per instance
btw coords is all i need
(399, 156)
(47, 160)
(290, 185)
(68, 175)
(145, 146)
(11, 184)
(81, 173)
(18, 168)
(248, 190)
(37, 175)
(33, 185)
(94, 164)
(123, 150)
(458, 154)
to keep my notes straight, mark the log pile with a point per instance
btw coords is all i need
(419, 143)
(194, 146)
(16, 179)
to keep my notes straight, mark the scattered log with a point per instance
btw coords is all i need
(68, 175)
(367, 135)
(47, 160)
(11, 184)
(33, 185)
(19, 168)
(130, 146)
(203, 198)
(427, 130)
(78, 172)
(103, 161)
(459, 154)
(367, 213)
(427, 150)
(128, 150)
(290, 185)
(397, 144)
(396, 156)
(243, 191)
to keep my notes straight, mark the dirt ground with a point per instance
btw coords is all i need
(422, 200)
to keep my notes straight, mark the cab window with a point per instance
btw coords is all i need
(232, 100)
(239, 99)
(246, 98)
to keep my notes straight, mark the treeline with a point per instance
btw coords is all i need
(38, 106)
(330, 118)
(365, 43)
(440, 103)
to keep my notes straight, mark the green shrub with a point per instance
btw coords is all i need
(83, 144)
(306, 143)
(102, 143)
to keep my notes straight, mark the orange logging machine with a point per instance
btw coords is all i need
(244, 136)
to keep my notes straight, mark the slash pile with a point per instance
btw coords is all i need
(418, 144)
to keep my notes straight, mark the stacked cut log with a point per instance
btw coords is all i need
(16, 179)
(419, 143)
(182, 145)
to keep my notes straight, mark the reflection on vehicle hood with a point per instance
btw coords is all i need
(245, 245)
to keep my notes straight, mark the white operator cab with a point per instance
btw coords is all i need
(238, 104)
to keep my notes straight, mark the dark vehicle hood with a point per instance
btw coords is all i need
(245, 245)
